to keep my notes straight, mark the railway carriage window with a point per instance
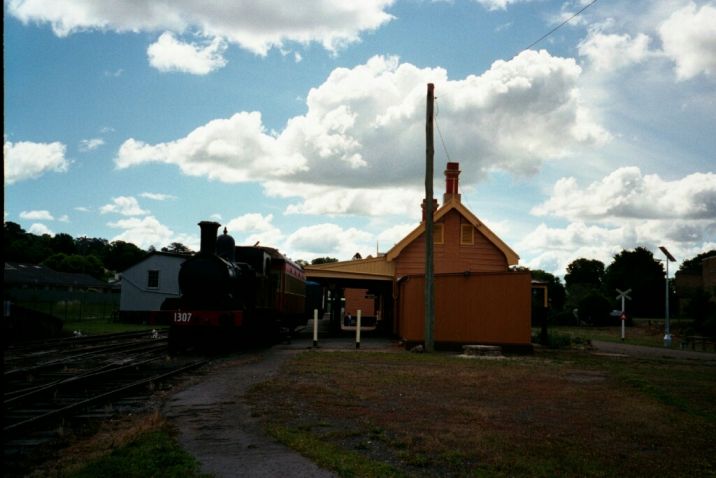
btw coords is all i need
(153, 279)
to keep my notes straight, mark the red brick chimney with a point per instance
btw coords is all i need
(451, 182)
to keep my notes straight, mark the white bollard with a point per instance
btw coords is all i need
(358, 329)
(315, 327)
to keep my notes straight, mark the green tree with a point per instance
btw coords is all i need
(63, 243)
(92, 246)
(639, 271)
(123, 255)
(587, 272)
(702, 309)
(21, 246)
(177, 248)
(323, 260)
(693, 265)
(594, 308)
(76, 264)
(584, 278)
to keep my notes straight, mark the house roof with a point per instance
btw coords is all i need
(32, 274)
(455, 204)
(175, 255)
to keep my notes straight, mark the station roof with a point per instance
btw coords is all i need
(454, 203)
(382, 268)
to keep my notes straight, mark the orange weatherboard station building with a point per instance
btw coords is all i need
(478, 299)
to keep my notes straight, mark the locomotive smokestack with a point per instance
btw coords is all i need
(208, 237)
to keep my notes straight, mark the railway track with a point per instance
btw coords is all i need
(69, 384)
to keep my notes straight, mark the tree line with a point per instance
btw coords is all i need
(590, 288)
(95, 256)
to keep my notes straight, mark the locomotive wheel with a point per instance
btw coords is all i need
(177, 341)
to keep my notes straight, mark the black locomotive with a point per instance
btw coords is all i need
(232, 293)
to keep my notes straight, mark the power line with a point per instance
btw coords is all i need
(440, 133)
(437, 109)
(557, 27)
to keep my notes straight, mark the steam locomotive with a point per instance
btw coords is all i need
(232, 294)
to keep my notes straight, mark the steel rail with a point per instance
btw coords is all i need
(103, 371)
(66, 410)
(58, 362)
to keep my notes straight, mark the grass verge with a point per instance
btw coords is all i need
(557, 413)
(103, 326)
(137, 447)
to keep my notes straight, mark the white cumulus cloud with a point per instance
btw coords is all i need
(232, 150)
(27, 160)
(254, 26)
(254, 227)
(689, 39)
(42, 215)
(607, 52)
(363, 129)
(40, 230)
(329, 239)
(624, 210)
(628, 193)
(499, 4)
(124, 205)
(170, 54)
(158, 196)
(87, 145)
(143, 232)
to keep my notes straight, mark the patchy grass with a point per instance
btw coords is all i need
(558, 413)
(103, 326)
(130, 448)
(648, 332)
(154, 453)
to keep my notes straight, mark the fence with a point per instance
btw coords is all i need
(68, 305)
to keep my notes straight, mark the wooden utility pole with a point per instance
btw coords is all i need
(429, 289)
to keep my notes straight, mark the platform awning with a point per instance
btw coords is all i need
(354, 273)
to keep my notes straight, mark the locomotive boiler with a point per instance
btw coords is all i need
(235, 294)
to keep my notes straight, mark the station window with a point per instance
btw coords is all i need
(153, 279)
(467, 235)
(438, 234)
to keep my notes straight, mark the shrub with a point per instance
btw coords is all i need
(558, 341)
(594, 309)
(703, 310)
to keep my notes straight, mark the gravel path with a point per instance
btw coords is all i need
(217, 428)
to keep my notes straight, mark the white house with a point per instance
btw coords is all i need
(147, 283)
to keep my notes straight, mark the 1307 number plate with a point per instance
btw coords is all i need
(182, 316)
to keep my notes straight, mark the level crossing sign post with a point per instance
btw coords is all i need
(623, 295)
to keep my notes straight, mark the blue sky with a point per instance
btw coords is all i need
(303, 128)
